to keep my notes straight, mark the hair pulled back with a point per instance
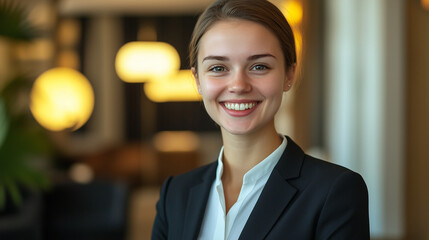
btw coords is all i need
(259, 11)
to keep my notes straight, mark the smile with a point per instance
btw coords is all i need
(239, 106)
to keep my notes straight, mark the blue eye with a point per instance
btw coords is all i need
(217, 69)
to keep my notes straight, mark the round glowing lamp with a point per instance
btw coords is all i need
(62, 98)
(143, 61)
(177, 88)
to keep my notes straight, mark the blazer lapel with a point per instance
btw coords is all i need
(196, 206)
(276, 194)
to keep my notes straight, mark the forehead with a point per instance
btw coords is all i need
(237, 36)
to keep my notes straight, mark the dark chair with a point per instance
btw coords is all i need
(97, 210)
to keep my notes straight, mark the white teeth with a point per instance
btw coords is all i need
(239, 106)
(242, 106)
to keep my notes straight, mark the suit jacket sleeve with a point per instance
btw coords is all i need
(345, 212)
(160, 226)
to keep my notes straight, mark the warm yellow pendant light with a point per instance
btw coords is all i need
(142, 61)
(62, 98)
(178, 88)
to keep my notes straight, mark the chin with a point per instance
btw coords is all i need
(237, 131)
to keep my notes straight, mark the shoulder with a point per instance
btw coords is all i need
(192, 178)
(331, 187)
(306, 171)
(322, 177)
(313, 177)
(174, 200)
(330, 180)
(321, 170)
(334, 197)
(342, 199)
(200, 173)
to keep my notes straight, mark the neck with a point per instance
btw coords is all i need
(243, 152)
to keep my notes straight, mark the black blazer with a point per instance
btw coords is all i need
(304, 198)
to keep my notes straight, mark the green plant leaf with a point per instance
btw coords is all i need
(22, 144)
(21, 138)
(14, 23)
(15, 194)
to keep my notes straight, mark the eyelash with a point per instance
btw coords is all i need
(216, 69)
(260, 66)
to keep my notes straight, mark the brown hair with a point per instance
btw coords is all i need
(259, 11)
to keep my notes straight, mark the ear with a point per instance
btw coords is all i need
(197, 80)
(290, 78)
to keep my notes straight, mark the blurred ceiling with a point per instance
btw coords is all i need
(131, 7)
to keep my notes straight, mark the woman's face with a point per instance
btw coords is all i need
(241, 75)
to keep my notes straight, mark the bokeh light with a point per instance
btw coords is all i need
(62, 98)
(81, 173)
(293, 11)
(176, 141)
(178, 88)
(142, 61)
(425, 4)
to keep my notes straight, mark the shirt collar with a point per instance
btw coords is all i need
(264, 168)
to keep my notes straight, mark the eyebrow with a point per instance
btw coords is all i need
(219, 58)
(251, 58)
(254, 57)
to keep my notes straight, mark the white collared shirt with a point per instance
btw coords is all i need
(218, 226)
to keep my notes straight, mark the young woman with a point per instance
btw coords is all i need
(263, 186)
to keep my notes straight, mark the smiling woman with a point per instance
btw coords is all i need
(242, 63)
(262, 186)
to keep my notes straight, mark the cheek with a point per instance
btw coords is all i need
(210, 89)
(273, 89)
(210, 92)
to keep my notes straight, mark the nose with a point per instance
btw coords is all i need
(240, 83)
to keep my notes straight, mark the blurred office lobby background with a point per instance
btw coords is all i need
(86, 139)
